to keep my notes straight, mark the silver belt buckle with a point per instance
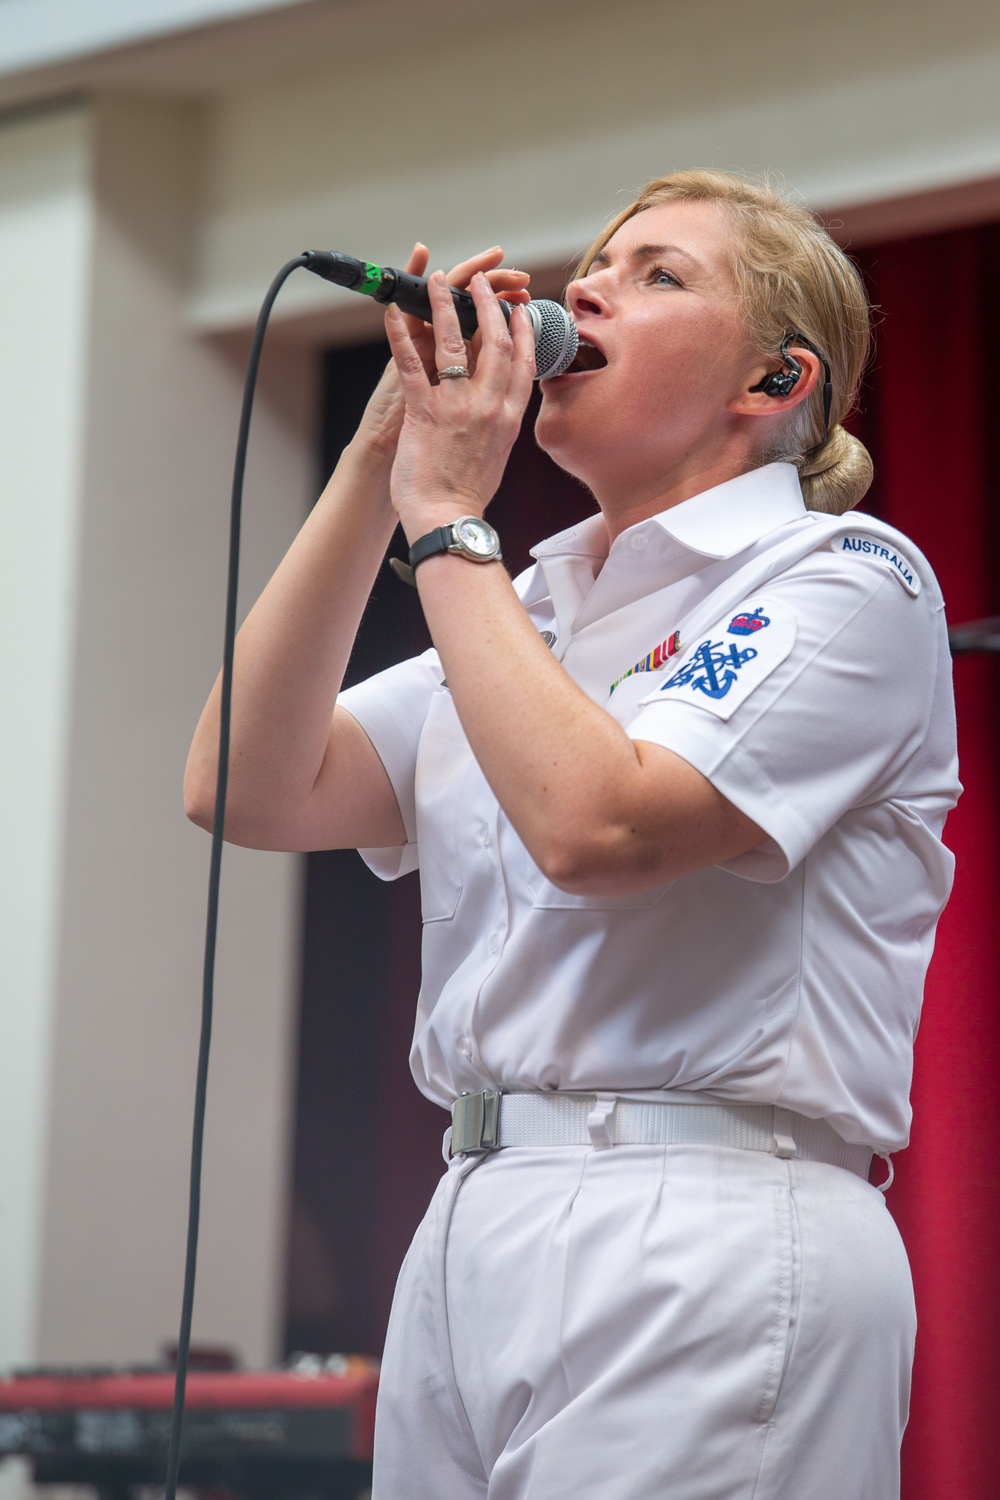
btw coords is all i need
(475, 1124)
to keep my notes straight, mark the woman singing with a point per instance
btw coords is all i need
(676, 797)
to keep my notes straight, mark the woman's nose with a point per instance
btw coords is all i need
(586, 297)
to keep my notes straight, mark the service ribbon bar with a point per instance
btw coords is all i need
(656, 658)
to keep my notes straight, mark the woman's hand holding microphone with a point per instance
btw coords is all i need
(383, 418)
(463, 404)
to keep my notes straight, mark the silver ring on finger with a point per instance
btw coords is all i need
(455, 372)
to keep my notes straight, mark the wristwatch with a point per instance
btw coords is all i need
(471, 536)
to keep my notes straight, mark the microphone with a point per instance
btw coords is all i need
(556, 338)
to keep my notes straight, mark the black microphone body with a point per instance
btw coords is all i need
(556, 338)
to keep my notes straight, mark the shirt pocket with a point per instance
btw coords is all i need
(444, 761)
(549, 897)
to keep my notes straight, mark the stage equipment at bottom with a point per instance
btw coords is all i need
(303, 1434)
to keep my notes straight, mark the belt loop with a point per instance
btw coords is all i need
(784, 1141)
(883, 1187)
(598, 1126)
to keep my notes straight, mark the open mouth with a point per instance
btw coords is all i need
(588, 357)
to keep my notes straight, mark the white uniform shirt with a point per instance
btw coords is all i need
(811, 684)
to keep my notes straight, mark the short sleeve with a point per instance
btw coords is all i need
(811, 698)
(391, 708)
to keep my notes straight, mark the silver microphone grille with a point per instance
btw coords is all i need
(556, 338)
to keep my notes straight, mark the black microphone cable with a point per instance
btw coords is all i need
(215, 872)
(555, 346)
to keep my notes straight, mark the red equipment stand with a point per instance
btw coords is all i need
(261, 1435)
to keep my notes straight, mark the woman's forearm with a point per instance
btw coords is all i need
(291, 654)
(599, 813)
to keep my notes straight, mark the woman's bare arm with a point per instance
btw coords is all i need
(289, 752)
(302, 776)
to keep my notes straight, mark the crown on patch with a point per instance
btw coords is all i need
(748, 624)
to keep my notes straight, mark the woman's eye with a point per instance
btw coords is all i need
(660, 276)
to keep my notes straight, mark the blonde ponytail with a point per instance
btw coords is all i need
(836, 476)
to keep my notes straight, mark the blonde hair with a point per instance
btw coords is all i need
(792, 279)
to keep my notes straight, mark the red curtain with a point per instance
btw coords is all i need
(929, 418)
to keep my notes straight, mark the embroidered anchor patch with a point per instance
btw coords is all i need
(719, 674)
(712, 669)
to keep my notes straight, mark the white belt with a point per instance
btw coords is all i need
(491, 1121)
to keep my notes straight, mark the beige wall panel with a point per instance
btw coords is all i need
(531, 137)
(161, 418)
(44, 300)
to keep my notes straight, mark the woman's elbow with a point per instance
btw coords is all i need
(199, 799)
(614, 861)
(200, 777)
(578, 865)
(250, 821)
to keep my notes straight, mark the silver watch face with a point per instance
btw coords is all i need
(477, 537)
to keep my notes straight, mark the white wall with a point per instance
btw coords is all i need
(118, 455)
(44, 315)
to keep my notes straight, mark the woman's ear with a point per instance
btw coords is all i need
(774, 390)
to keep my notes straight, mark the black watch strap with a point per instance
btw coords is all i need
(469, 536)
(438, 540)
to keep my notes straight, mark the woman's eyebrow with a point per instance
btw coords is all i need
(642, 253)
(657, 252)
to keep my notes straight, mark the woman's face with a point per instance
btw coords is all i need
(651, 418)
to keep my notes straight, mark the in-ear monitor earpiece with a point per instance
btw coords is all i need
(783, 382)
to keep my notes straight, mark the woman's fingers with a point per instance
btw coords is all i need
(510, 286)
(500, 350)
(493, 362)
(449, 340)
(384, 412)
(506, 359)
(417, 266)
(506, 281)
(486, 260)
(385, 409)
(419, 256)
(458, 429)
(459, 276)
(524, 362)
(406, 356)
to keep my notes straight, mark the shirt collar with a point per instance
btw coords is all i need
(718, 523)
(733, 516)
(585, 583)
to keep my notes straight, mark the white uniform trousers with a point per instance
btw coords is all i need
(647, 1323)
